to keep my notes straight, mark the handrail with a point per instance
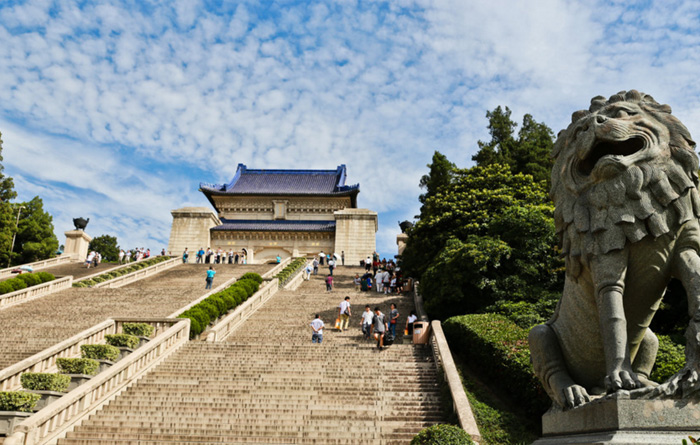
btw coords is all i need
(114, 269)
(460, 402)
(36, 291)
(235, 319)
(275, 270)
(138, 274)
(53, 421)
(45, 360)
(43, 264)
(296, 280)
(445, 363)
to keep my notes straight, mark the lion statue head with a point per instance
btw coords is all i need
(624, 169)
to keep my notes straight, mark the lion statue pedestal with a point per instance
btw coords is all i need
(625, 189)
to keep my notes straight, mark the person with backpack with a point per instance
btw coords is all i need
(393, 320)
(329, 283)
(210, 277)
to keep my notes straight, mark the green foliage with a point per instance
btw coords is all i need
(669, 360)
(86, 366)
(100, 352)
(252, 276)
(35, 238)
(289, 270)
(527, 314)
(107, 246)
(15, 284)
(5, 287)
(440, 176)
(527, 154)
(442, 435)
(30, 279)
(37, 381)
(122, 340)
(18, 401)
(488, 237)
(138, 329)
(119, 272)
(501, 347)
(45, 276)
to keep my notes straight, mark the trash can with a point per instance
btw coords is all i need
(421, 332)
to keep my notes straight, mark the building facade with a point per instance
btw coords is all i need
(270, 213)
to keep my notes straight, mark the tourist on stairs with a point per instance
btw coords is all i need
(329, 283)
(344, 314)
(366, 321)
(317, 328)
(393, 320)
(379, 327)
(210, 277)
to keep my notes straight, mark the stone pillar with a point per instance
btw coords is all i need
(355, 234)
(191, 229)
(77, 242)
(401, 239)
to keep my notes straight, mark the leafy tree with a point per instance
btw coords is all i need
(7, 212)
(529, 153)
(107, 247)
(488, 241)
(7, 188)
(440, 175)
(35, 238)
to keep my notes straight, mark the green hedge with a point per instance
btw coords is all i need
(23, 281)
(123, 340)
(123, 271)
(39, 381)
(77, 365)
(500, 348)
(18, 401)
(442, 435)
(669, 360)
(100, 352)
(290, 270)
(138, 329)
(218, 304)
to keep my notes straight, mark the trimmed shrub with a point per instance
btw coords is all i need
(195, 327)
(252, 276)
(6, 288)
(138, 329)
(18, 401)
(16, 284)
(80, 284)
(122, 340)
(669, 360)
(99, 279)
(45, 276)
(100, 352)
(29, 279)
(77, 365)
(200, 315)
(501, 347)
(218, 302)
(39, 381)
(210, 308)
(442, 435)
(248, 286)
(228, 300)
(254, 285)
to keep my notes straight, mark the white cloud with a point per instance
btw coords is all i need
(83, 91)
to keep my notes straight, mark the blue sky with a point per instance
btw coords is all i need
(116, 110)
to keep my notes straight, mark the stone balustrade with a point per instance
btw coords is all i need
(241, 313)
(137, 275)
(219, 288)
(39, 290)
(52, 422)
(445, 363)
(275, 270)
(296, 281)
(55, 261)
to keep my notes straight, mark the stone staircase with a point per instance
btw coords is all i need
(31, 327)
(267, 383)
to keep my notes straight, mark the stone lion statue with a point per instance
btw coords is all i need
(625, 187)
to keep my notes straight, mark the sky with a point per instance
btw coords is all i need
(116, 110)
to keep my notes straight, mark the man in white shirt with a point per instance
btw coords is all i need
(366, 322)
(317, 328)
(344, 314)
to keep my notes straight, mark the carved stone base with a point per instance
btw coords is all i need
(620, 421)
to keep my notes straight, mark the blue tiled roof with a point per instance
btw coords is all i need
(284, 182)
(276, 226)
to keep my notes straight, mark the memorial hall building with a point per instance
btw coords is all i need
(290, 213)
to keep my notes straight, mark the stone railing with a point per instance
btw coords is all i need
(219, 288)
(55, 261)
(296, 280)
(275, 270)
(232, 321)
(52, 422)
(39, 290)
(45, 361)
(138, 274)
(445, 363)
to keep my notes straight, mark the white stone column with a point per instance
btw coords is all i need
(191, 229)
(77, 242)
(356, 234)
